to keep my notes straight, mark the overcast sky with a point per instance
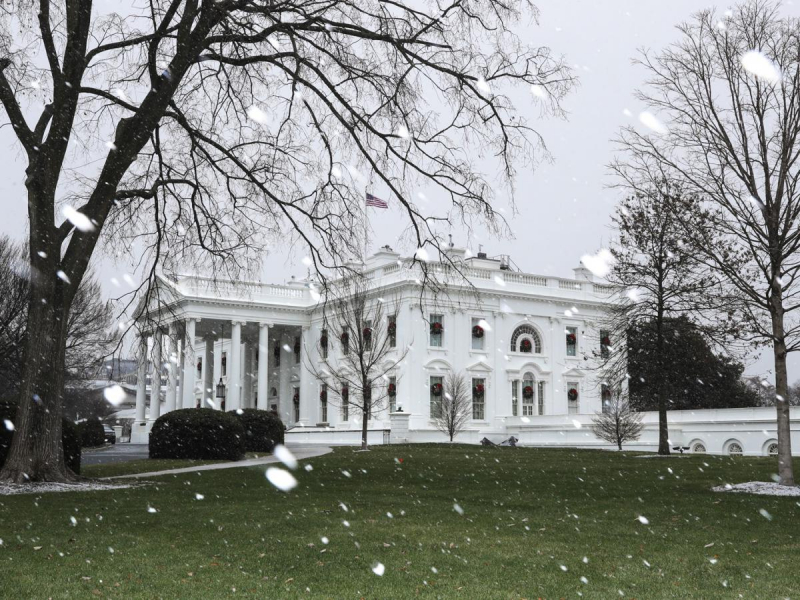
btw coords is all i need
(564, 207)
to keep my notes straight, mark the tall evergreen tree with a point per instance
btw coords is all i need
(693, 375)
(657, 278)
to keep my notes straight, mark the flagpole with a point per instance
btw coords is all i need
(366, 229)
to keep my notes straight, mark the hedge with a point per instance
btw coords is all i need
(197, 433)
(92, 433)
(70, 438)
(262, 429)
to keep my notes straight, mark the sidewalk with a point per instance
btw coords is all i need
(299, 454)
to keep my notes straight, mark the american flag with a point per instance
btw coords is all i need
(376, 202)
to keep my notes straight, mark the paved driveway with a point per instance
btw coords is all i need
(117, 453)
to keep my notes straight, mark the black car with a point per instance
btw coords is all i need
(109, 433)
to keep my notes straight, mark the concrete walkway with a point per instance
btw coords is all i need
(300, 453)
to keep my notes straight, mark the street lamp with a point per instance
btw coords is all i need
(221, 394)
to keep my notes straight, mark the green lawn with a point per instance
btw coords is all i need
(534, 523)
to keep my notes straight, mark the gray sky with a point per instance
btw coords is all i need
(564, 207)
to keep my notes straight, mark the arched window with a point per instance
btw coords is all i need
(699, 448)
(735, 449)
(772, 449)
(526, 332)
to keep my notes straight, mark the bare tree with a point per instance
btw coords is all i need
(90, 333)
(455, 407)
(355, 373)
(658, 278)
(728, 94)
(197, 133)
(617, 423)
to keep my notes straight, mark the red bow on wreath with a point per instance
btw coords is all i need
(436, 328)
(527, 391)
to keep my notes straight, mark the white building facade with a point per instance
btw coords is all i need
(529, 342)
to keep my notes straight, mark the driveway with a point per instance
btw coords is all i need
(117, 453)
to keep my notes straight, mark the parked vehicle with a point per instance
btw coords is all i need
(110, 435)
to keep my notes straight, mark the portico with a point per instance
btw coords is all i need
(224, 355)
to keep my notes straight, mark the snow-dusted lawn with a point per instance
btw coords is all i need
(763, 488)
(414, 521)
(11, 489)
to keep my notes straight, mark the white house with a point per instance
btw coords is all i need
(246, 344)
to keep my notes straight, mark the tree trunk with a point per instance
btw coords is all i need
(663, 429)
(619, 445)
(785, 472)
(36, 452)
(364, 424)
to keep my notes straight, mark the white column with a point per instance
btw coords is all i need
(179, 368)
(189, 368)
(141, 381)
(172, 368)
(307, 409)
(285, 407)
(235, 368)
(208, 395)
(263, 366)
(247, 374)
(155, 378)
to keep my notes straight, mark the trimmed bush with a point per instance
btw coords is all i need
(197, 433)
(92, 433)
(263, 429)
(70, 437)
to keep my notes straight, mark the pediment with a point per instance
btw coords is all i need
(479, 366)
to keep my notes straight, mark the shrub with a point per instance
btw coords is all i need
(262, 429)
(197, 433)
(70, 438)
(92, 433)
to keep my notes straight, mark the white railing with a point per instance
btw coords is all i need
(525, 279)
(566, 284)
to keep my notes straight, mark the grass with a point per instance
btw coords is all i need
(530, 516)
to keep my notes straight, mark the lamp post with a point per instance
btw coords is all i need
(221, 394)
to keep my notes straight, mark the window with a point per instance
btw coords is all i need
(572, 397)
(478, 399)
(528, 395)
(699, 448)
(572, 341)
(345, 339)
(605, 397)
(296, 403)
(515, 398)
(368, 399)
(276, 353)
(224, 364)
(527, 339)
(605, 344)
(477, 334)
(323, 403)
(391, 330)
(437, 331)
(772, 449)
(437, 389)
(199, 367)
(323, 343)
(540, 397)
(735, 449)
(297, 350)
(345, 404)
(366, 333)
(391, 391)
